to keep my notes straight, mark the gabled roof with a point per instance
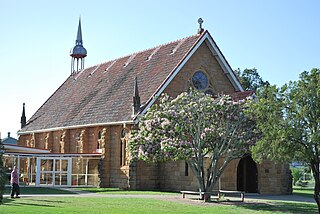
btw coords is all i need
(102, 94)
(9, 140)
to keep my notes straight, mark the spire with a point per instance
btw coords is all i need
(78, 52)
(79, 35)
(136, 98)
(23, 120)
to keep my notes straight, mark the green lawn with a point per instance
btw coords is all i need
(38, 204)
(120, 191)
(70, 204)
(303, 192)
(38, 190)
(46, 190)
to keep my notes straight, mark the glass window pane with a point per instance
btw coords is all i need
(46, 165)
(46, 178)
(61, 179)
(62, 165)
(93, 167)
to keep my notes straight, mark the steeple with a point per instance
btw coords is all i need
(136, 98)
(79, 34)
(23, 120)
(78, 52)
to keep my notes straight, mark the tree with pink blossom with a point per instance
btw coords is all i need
(205, 132)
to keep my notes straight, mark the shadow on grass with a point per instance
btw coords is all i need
(39, 191)
(6, 200)
(281, 207)
(30, 204)
(18, 202)
(305, 192)
(49, 201)
(284, 207)
(119, 191)
(99, 190)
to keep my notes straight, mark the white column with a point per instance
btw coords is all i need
(18, 168)
(69, 179)
(86, 177)
(38, 163)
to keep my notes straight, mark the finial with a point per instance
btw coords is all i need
(135, 89)
(23, 120)
(200, 30)
(136, 98)
(8, 134)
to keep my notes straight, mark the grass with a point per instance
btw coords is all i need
(305, 192)
(120, 191)
(47, 190)
(38, 204)
(282, 207)
(38, 190)
(110, 204)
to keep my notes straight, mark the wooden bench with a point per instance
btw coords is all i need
(231, 193)
(184, 193)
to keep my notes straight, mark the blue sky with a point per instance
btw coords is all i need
(278, 37)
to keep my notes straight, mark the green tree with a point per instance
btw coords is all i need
(250, 79)
(296, 174)
(196, 128)
(289, 120)
(2, 172)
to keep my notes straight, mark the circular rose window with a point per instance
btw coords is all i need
(200, 80)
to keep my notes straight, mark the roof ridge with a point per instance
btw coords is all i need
(137, 52)
(158, 46)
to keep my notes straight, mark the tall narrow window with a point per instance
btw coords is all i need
(99, 140)
(186, 169)
(123, 147)
(78, 142)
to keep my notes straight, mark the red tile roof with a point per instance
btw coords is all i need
(242, 95)
(103, 93)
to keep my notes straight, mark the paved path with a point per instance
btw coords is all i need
(292, 198)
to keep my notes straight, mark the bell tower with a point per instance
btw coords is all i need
(78, 53)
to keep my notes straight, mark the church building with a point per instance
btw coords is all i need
(79, 136)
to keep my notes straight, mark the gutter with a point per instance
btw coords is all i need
(75, 127)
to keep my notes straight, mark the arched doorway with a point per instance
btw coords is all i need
(247, 175)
